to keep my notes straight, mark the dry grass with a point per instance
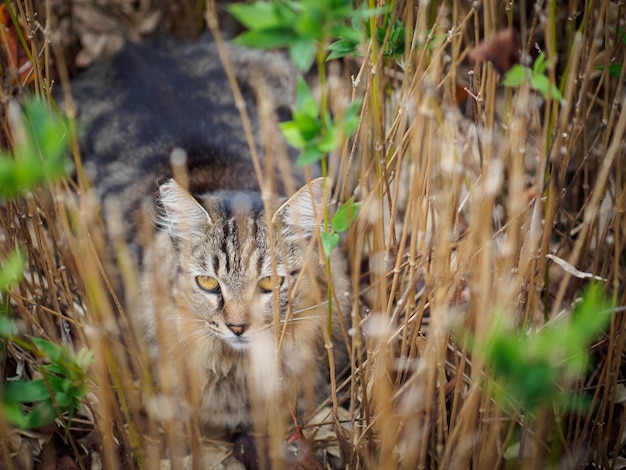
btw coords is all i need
(460, 212)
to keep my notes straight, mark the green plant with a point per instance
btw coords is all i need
(532, 370)
(313, 135)
(39, 157)
(40, 150)
(61, 388)
(341, 221)
(537, 77)
(306, 28)
(615, 70)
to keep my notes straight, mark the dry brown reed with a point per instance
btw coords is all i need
(496, 205)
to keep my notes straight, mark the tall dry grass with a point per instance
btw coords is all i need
(469, 210)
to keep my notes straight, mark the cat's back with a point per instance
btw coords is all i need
(150, 98)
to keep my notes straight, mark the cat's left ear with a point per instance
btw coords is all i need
(181, 213)
(299, 217)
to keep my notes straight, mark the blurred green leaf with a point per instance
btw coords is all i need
(330, 140)
(352, 33)
(515, 76)
(351, 117)
(39, 155)
(394, 47)
(532, 370)
(42, 413)
(305, 102)
(12, 270)
(8, 329)
(13, 413)
(64, 383)
(309, 156)
(302, 52)
(329, 241)
(260, 16)
(309, 126)
(341, 48)
(346, 215)
(292, 134)
(615, 70)
(26, 391)
(541, 83)
(538, 81)
(540, 65)
(310, 24)
(266, 39)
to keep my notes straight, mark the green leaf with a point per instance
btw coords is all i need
(346, 215)
(329, 141)
(589, 318)
(329, 241)
(516, 76)
(64, 400)
(310, 24)
(351, 117)
(351, 34)
(305, 102)
(540, 65)
(51, 350)
(364, 13)
(25, 391)
(541, 83)
(341, 48)
(292, 134)
(310, 127)
(309, 156)
(531, 370)
(556, 93)
(266, 39)
(259, 16)
(12, 270)
(436, 41)
(39, 155)
(13, 413)
(43, 413)
(8, 328)
(302, 52)
(396, 32)
(615, 70)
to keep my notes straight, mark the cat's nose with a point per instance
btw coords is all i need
(237, 329)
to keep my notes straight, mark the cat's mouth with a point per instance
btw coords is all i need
(239, 343)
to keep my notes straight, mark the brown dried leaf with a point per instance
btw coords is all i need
(502, 50)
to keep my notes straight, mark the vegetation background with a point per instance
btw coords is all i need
(488, 256)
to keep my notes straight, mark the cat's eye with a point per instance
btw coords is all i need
(266, 285)
(208, 283)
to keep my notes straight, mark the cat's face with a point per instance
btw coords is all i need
(237, 271)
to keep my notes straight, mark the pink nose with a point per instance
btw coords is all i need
(237, 329)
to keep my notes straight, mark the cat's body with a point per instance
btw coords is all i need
(152, 97)
(232, 295)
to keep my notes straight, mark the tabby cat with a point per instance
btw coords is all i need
(233, 289)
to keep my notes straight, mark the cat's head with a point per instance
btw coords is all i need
(238, 269)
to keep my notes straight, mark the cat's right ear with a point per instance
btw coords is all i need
(300, 216)
(183, 216)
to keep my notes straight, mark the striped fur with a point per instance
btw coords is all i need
(214, 349)
(227, 236)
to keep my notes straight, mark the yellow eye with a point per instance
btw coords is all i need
(208, 283)
(266, 285)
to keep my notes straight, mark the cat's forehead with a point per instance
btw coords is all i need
(236, 204)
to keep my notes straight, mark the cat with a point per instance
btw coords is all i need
(233, 291)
